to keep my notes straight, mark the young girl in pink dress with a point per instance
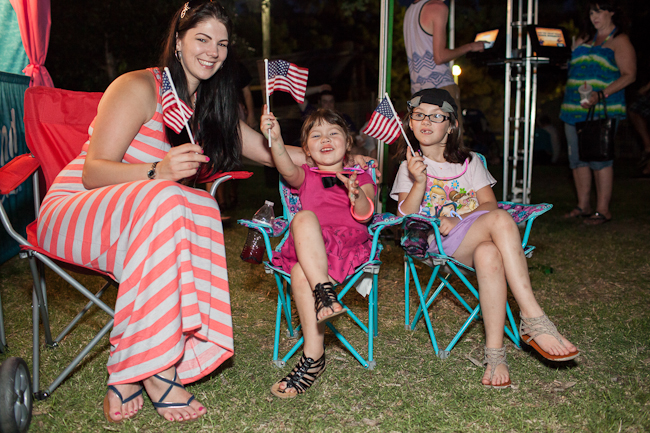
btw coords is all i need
(328, 237)
(477, 233)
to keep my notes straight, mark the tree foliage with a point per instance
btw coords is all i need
(92, 42)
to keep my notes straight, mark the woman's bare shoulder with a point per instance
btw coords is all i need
(141, 83)
(135, 90)
(621, 41)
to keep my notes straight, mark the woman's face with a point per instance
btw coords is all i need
(203, 49)
(427, 132)
(601, 19)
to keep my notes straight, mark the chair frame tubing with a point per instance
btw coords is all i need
(283, 281)
(424, 304)
(435, 261)
(37, 263)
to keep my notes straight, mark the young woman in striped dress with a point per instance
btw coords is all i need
(121, 207)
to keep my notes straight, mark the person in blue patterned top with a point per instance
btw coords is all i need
(604, 58)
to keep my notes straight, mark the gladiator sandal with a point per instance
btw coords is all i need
(326, 298)
(530, 328)
(493, 358)
(301, 378)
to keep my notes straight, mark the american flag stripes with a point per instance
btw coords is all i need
(287, 77)
(174, 115)
(383, 124)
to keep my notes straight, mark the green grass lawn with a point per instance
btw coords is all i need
(593, 282)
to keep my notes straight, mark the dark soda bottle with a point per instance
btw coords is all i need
(253, 251)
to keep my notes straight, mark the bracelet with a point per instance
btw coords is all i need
(399, 207)
(363, 217)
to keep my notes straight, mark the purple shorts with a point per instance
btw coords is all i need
(451, 242)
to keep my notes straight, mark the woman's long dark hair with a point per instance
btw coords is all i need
(455, 150)
(216, 118)
(619, 19)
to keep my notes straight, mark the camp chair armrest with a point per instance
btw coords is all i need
(278, 227)
(220, 177)
(16, 171)
(382, 220)
(524, 214)
(387, 219)
(434, 221)
(204, 178)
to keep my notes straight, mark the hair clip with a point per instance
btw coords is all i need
(185, 9)
(413, 103)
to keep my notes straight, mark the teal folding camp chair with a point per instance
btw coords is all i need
(364, 275)
(444, 267)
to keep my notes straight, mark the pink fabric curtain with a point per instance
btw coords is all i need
(34, 22)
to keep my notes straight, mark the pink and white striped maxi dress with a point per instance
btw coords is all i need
(164, 243)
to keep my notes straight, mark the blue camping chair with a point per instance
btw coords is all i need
(444, 267)
(364, 276)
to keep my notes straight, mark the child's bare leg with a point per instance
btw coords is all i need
(492, 292)
(499, 228)
(313, 333)
(310, 249)
(302, 295)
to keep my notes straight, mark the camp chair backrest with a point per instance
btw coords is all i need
(56, 126)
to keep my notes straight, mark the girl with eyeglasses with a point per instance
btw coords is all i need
(476, 233)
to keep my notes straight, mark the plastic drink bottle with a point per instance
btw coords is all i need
(253, 251)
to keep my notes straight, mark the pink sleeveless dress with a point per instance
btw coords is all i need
(164, 243)
(347, 242)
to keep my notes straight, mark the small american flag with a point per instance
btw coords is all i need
(383, 125)
(173, 115)
(288, 77)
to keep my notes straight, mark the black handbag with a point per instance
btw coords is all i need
(596, 136)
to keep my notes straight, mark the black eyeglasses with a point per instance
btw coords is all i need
(434, 118)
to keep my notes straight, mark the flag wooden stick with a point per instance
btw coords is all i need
(178, 102)
(268, 97)
(399, 122)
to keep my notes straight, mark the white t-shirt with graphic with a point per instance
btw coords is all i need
(452, 189)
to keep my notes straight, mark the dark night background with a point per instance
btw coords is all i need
(93, 42)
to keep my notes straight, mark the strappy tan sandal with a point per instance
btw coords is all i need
(493, 358)
(301, 378)
(529, 328)
(326, 298)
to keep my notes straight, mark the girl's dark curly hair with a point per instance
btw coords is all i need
(215, 123)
